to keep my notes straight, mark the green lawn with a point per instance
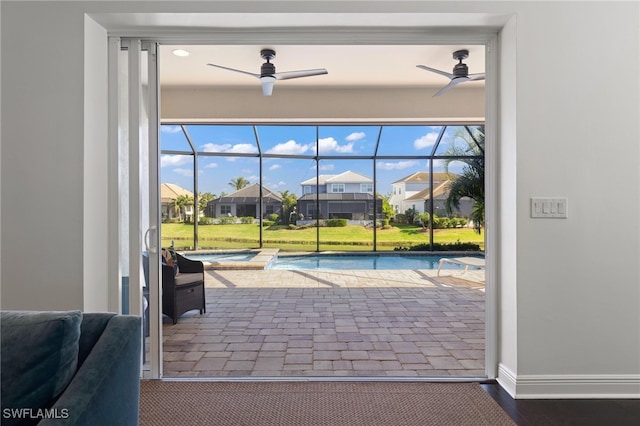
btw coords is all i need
(345, 238)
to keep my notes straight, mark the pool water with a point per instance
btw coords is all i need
(369, 261)
(221, 257)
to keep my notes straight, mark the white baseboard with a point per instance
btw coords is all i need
(588, 386)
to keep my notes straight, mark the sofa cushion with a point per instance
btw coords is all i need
(39, 357)
(188, 278)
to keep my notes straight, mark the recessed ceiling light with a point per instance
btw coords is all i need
(181, 52)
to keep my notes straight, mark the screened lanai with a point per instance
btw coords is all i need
(271, 180)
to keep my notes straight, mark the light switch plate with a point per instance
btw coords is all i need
(555, 208)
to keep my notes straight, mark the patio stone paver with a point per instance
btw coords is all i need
(331, 324)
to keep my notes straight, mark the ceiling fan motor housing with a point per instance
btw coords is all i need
(461, 70)
(267, 69)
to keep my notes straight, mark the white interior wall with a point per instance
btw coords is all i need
(574, 281)
(42, 156)
(507, 253)
(96, 183)
(578, 286)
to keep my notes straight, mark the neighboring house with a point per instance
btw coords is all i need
(246, 202)
(168, 194)
(347, 195)
(413, 192)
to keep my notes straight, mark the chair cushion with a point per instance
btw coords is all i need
(188, 278)
(39, 357)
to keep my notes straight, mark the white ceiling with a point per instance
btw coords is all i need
(349, 66)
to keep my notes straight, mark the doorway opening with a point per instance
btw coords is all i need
(332, 327)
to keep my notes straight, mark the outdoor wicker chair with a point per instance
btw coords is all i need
(183, 290)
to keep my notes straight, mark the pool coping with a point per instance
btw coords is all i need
(262, 260)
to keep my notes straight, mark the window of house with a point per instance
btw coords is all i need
(225, 209)
(366, 187)
(307, 189)
(311, 212)
(337, 187)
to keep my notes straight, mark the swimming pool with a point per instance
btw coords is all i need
(365, 261)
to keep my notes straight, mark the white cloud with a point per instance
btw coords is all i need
(174, 160)
(170, 129)
(275, 185)
(329, 144)
(253, 178)
(213, 147)
(396, 165)
(243, 148)
(327, 167)
(290, 147)
(275, 167)
(211, 166)
(183, 172)
(438, 163)
(355, 136)
(425, 141)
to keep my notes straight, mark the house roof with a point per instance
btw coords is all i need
(250, 194)
(345, 177)
(439, 191)
(170, 191)
(423, 177)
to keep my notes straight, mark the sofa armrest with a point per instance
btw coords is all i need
(188, 265)
(106, 388)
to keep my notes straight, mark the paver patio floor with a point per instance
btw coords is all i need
(365, 323)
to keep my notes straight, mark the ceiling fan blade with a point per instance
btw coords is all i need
(297, 74)
(476, 77)
(453, 83)
(443, 73)
(233, 69)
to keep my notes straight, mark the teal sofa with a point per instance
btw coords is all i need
(69, 368)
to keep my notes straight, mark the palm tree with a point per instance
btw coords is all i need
(203, 200)
(470, 182)
(239, 183)
(289, 202)
(181, 202)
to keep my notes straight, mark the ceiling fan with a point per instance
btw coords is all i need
(268, 74)
(460, 72)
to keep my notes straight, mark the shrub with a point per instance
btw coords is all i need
(336, 223)
(171, 220)
(205, 221)
(441, 222)
(226, 220)
(267, 222)
(410, 214)
(423, 219)
(401, 218)
(460, 222)
(247, 219)
(457, 246)
(273, 217)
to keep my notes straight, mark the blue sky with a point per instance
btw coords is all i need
(286, 173)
